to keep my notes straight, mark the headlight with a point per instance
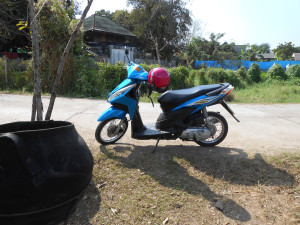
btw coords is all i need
(120, 92)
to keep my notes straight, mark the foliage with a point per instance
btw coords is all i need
(11, 13)
(254, 73)
(254, 51)
(242, 73)
(211, 50)
(277, 72)
(284, 51)
(20, 75)
(93, 79)
(293, 71)
(160, 25)
(56, 26)
(178, 77)
(105, 13)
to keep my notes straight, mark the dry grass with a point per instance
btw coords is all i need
(190, 185)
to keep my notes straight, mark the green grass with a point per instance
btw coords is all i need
(268, 92)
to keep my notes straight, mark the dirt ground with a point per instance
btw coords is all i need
(252, 177)
(266, 129)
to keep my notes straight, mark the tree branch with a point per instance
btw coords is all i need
(64, 58)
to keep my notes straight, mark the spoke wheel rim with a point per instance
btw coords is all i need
(219, 127)
(108, 134)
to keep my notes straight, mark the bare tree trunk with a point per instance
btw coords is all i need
(155, 42)
(37, 105)
(63, 60)
(157, 53)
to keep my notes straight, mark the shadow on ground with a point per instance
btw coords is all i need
(87, 208)
(230, 164)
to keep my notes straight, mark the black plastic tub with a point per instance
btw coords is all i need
(45, 166)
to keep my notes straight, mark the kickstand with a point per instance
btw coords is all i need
(158, 139)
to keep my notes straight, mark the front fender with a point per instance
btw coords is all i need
(112, 112)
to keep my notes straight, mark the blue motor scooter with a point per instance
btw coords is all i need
(184, 114)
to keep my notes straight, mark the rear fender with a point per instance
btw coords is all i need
(112, 112)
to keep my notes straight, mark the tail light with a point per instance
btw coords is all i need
(227, 90)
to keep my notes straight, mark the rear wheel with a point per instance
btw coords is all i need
(111, 130)
(218, 127)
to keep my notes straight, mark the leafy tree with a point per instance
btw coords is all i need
(160, 25)
(64, 57)
(105, 13)
(285, 51)
(124, 18)
(264, 48)
(255, 50)
(297, 49)
(11, 13)
(201, 49)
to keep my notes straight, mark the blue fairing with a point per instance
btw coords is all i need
(130, 103)
(112, 112)
(200, 102)
(136, 72)
(125, 83)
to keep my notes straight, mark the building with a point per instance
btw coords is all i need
(107, 40)
(296, 56)
(266, 56)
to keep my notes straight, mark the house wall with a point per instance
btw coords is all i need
(297, 57)
(118, 55)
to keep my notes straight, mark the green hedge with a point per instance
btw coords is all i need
(93, 79)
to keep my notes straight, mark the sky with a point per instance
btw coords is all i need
(242, 21)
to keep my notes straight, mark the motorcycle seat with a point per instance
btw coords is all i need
(172, 98)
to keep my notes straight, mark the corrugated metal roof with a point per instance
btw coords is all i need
(104, 25)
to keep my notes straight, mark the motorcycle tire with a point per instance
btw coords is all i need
(109, 127)
(216, 118)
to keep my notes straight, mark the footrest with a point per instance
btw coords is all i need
(150, 132)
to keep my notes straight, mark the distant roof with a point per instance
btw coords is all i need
(104, 25)
(267, 56)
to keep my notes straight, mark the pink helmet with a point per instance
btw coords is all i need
(159, 78)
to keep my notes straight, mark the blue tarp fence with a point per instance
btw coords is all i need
(236, 64)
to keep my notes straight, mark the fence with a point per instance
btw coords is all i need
(236, 64)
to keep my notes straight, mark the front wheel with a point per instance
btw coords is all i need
(111, 130)
(218, 127)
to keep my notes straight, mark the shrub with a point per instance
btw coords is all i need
(233, 79)
(293, 71)
(254, 73)
(200, 78)
(277, 72)
(148, 67)
(242, 73)
(178, 77)
(216, 75)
